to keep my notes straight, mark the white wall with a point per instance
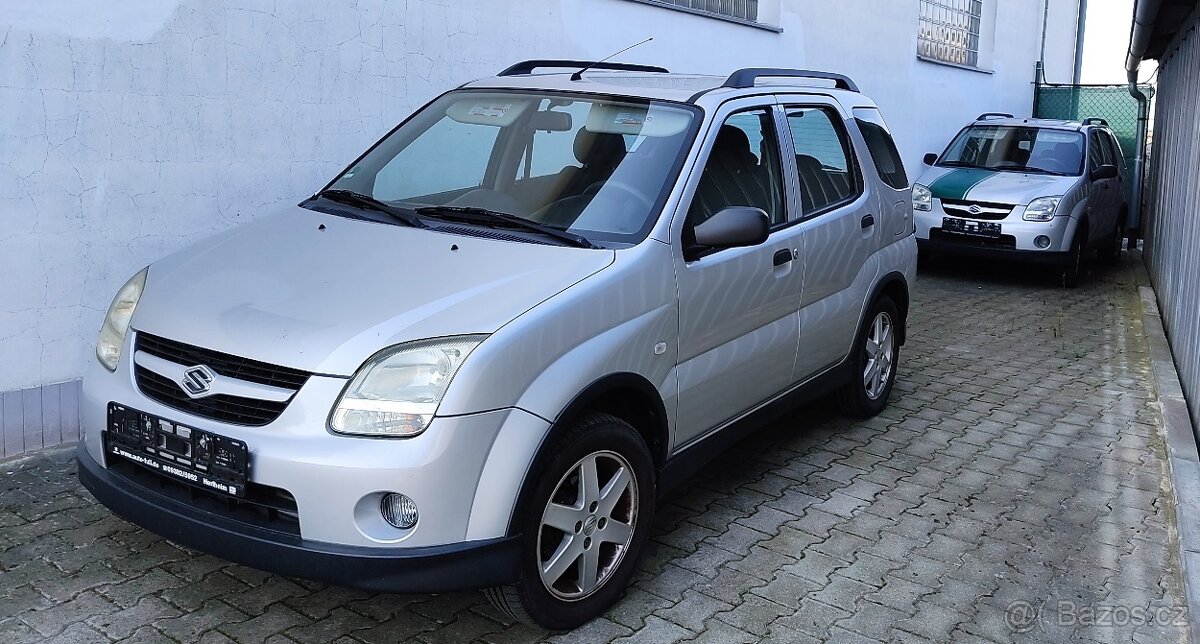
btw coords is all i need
(132, 129)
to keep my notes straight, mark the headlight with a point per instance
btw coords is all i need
(922, 198)
(397, 391)
(116, 321)
(1041, 209)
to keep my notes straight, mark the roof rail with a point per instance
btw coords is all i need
(1095, 121)
(744, 78)
(526, 67)
(1000, 115)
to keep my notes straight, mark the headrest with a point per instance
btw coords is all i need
(598, 147)
(732, 142)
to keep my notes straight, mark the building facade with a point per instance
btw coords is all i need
(133, 129)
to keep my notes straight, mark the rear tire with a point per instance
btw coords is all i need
(1073, 272)
(873, 361)
(584, 520)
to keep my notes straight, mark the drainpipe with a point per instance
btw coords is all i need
(1080, 28)
(1145, 12)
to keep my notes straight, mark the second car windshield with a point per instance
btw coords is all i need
(1016, 148)
(593, 166)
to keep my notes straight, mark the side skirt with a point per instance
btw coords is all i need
(683, 465)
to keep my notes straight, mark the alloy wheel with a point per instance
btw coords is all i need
(587, 525)
(880, 349)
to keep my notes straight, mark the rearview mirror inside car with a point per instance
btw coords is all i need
(732, 227)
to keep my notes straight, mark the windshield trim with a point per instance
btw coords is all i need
(599, 238)
(941, 161)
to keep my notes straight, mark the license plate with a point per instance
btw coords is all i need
(969, 227)
(194, 456)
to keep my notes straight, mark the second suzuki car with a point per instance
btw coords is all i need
(1034, 190)
(478, 356)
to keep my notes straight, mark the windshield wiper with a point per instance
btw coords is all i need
(958, 164)
(1038, 170)
(370, 203)
(485, 216)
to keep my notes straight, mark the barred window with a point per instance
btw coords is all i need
(744, 9)
(949, 31)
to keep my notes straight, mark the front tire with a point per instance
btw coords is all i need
(585, 522)
(875, 356)
(1111, 256)
(1073, 271)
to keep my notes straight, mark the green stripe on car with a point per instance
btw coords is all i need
(956, 183)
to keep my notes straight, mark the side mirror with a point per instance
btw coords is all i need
(1106, 171)
(930, 159)
(734, 227)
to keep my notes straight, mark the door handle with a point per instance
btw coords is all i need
(782, 257)
(868, 221)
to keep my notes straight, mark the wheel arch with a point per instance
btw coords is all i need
(625, 395)
(895, 286)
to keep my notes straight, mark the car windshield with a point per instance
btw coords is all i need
(597, 167)
(1017, 148)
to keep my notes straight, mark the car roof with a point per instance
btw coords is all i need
(681, 88)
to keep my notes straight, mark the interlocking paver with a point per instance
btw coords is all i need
(1020, 460)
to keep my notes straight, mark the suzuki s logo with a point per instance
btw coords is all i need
(974, 209)
(197, 381)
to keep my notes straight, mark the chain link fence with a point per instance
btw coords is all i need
(1109, 102)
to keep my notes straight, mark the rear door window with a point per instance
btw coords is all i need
(828, 174)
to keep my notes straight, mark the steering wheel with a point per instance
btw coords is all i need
(625, 187)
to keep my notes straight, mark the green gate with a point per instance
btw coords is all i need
(1109, 102)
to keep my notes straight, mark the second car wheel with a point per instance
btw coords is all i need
(585, 520)
(873, 362)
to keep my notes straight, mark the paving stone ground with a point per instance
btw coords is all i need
(1015, 489)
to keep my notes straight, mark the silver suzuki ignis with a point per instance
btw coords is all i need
(478, 356)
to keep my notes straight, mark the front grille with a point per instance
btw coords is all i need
(266, 507)
(222, 363)
(227, 409)
(987, 211)
(1003, 242)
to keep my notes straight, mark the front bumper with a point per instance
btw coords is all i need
(429, 569)
(464, 472)
(1016, 241)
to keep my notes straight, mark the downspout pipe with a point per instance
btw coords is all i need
(1080, 28)
(1145, 13)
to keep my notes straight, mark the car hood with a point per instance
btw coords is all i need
(974, 184)
(322, 293)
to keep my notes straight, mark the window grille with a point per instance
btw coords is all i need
(740, 9)
(949, 31)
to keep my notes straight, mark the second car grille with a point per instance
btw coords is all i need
(989, 211)
(229, 409)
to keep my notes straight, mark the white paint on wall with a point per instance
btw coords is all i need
(131, 129)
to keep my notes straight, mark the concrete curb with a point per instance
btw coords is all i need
(1182, 454)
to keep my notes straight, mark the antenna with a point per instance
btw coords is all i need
(579, 74)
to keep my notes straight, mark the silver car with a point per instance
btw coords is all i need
(478, 356)
(1033, 190)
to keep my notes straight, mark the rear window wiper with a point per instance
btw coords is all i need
(486, 216)
(370, 203)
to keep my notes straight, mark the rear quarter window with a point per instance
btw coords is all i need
(882, 147)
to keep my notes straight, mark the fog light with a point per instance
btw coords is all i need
(1042, 241)
(398, 510)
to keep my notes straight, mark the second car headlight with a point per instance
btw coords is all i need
(398, 390)
(116, 321)
(922, 198)
(1041, 209)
